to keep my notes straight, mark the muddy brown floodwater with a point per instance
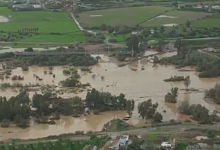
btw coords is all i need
(139, 85)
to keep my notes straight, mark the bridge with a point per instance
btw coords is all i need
(65, 53)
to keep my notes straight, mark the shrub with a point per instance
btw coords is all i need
(96, 112)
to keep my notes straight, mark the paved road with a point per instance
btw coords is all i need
(194, 39)
(65, 44)
(37, 43)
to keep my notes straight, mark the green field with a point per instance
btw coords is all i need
(175, 17)
(120, 16)
(212, 21)
(151, 137)
(121, 38)
(47, 22)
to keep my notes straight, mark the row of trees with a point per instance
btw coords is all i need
(29, 30)
(76, 60)
(20, 107)
(148, 110)
(198, 113)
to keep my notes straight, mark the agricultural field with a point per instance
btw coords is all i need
(121, 16)
(46, 22)
(175, 18)
(209, 22)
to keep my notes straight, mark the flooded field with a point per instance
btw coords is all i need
(139, 85)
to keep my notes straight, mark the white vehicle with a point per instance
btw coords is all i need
(139, 136)
(166, 144)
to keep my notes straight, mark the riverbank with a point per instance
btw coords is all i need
(135, 131)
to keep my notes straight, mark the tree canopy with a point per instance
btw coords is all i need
(214, 93)
(104, 101)
(147, 110)
(198, 113)
(172, 95)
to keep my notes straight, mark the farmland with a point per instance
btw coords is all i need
(46, 22)
(121, 16)
(175, 17)
(212, 21)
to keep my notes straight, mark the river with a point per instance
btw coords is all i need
(138, 85)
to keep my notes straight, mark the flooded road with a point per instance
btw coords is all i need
(139, 85)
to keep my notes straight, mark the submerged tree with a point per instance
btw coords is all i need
(172, 96)
(161, 44)
(214, 93)
(129, 107)
(147, 110)
(187, 82)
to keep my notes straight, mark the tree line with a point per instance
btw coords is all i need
(76, 60)
(214, 93)
(29, 30)
(42, 106)
(207, 65)
(198, 113)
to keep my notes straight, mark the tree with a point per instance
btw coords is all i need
(132, 105)
(146, 109)
(29, 49)
(41, 103)
(23, 123)
(77, 105)
(5, 123)
(198, 112)
(184, 108)
(211, 134)
(145, 32)
(161, 44)
(136, 144)
(175, 4)
(187, 82)
(155, 59)
(133, 43)
(178, 45)
(129, 107)
(214, 93)
(104, 101)
(111, 30)
(157, 117)
(172, 96)
(188, 24)
(172, 33)
(103, 27)
(162, 29)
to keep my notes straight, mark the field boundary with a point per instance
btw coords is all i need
(154, 17)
